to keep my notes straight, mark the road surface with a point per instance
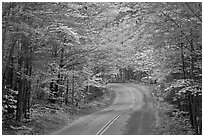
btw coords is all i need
(130, 114)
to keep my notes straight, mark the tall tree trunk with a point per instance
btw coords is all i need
(73, 87)
(87, 90)
(183, 61)
(5, 28)
(7, 70)
(19, 88)
(10, 74)
(29, 88)
(195, 114)
(67, 92)
(61, 79)
(192, 59)
(24, 99)
(194, 100)
(190, 110)
(4, 31)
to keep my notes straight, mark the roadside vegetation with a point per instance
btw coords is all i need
(178, 108)
(169, 120)
(47, 118)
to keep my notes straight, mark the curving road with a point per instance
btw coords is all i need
(131, 114)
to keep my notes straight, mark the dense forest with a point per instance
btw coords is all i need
(66, 52)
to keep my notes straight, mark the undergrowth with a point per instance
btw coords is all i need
(168, 119)
(47, 118)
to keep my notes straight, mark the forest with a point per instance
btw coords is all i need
(62, 54)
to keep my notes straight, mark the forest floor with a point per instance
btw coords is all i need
(45, 120)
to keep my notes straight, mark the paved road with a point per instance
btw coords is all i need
(131, 114)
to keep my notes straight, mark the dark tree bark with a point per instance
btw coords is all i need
(190, 109)
(67, 92)
(183, 61)
(192, 58)
(195, 114)
(19, 88)
(29, 88)
(73, 87)
(8, 70)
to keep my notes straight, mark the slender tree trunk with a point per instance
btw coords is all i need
(10, 74)
(61, 79)
(19, 98)
(190, 110)
(195, 115)
(87, 90)
(24, 87)
(73, 87)
(194, 100)
(29, 88)
(183, 61)
(24, 99)
(192, 58)
(19, 88)
(4, 30)
(67, 92)
(7, 70)
(56, 88)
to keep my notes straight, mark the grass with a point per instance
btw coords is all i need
(45, 121)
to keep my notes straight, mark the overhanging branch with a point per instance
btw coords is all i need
(193, 11)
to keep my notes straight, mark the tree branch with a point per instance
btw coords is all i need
(177, 26)
(200, 7)
(193, 12)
